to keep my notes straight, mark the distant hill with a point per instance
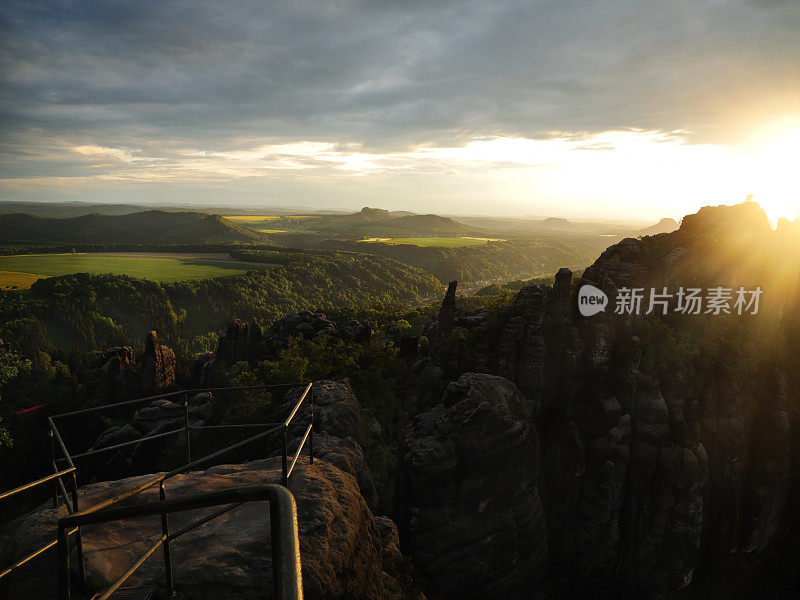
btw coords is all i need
(557, 223)
(153, 226)
(380, 222)
(367, 215)
(77, 209)
(429, 224)
(665, 225)
(502, 226)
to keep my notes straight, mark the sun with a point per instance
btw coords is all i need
(770, 171)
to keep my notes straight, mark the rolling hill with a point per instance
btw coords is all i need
(380, 222)
(153, 226)
(429, 224)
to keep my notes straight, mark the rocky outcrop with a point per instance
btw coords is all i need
(114, 374)
(656, 469)
(241, 341)
(669, 444)
(472, 516)
(111, 377)
(159, 366)
(337, 411)
(304, 324)
(247, 342)
(157, 417)
(346, 551)
(342, 550)
(442, 331)
(510, 344)
(356, 331)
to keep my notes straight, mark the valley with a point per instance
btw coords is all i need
(626, 482)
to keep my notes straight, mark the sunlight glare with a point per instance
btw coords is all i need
(771, 173)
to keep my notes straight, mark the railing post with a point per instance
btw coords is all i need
(63, 564)
(284, 470)
(311, 433)
(53, 461)
(275, 542)
(166, 543)
(78, 540)
(188, 431)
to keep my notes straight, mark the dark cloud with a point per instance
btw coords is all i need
(158, 76)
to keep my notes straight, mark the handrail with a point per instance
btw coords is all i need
(286, 573)
(126, 444)
(299, 449)
(57, 440)
(171, 394)
(297, 406)
(36, 483)
(33, 555)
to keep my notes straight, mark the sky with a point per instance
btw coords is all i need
(576, 108)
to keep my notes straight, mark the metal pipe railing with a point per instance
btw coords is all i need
(204, 520)
(187, 429)
(126, 444)
(299, 450)
(73, 510)
(36, 483)
(33, 555)
(286, 573)
(84, 411)
(167, 547)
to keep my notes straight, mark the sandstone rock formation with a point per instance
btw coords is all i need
(305, 324)
(667, 449)
(114, 374)
(356, 331)
(230, 557)
(159, 366)
(111, 377)
(337, 411)
(513, 349)
(247, 342)
(157, 417)
(241, 341)
(472, 516)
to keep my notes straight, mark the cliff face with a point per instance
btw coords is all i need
(472, 518)
(668, 441)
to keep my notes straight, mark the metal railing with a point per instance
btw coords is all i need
(57, 441)
(286, 576)
(59, 487)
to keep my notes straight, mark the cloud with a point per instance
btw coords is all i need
(146, 80)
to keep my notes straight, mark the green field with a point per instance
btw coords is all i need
(21, 270)
(446, 242)
(247, 219)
